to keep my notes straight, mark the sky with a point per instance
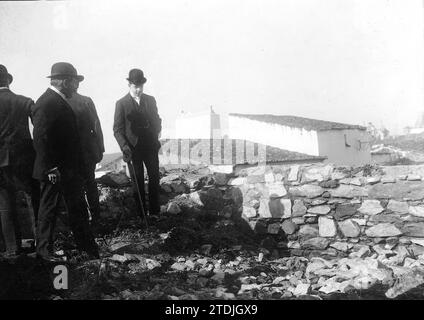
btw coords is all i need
(350, 61)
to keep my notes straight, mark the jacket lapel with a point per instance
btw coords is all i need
(132, 103)
(142, 108)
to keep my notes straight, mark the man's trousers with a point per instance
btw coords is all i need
(148, 157)
(91, 191)
(12, 180)
(72, 192)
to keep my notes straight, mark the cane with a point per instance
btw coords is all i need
(131, 166)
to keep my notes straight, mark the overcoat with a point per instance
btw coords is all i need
(16, 148)
(56, 139)
(135, 123)
(89, 128)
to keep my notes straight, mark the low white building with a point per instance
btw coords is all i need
(200, 125)
(342, 144)
(409, 130)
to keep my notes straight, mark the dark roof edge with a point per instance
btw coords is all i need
(350, 126)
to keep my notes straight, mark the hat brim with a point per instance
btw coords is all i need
(137, 82)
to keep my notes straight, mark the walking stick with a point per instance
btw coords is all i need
(143, 214)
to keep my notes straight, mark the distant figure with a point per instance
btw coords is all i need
(136, 127)
(16, 162)
(91, 138)
(59, 165)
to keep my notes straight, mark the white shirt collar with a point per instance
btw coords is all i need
(59, 93)
(4, 88)
(136, 98)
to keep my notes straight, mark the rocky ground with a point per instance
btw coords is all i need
(195, 252)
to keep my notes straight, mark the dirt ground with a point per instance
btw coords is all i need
(190, 256)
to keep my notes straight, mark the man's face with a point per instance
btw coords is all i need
(136, 89)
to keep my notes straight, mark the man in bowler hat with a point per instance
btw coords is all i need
(136, 128)
(58, 163)
(92, 145)
(16, 162)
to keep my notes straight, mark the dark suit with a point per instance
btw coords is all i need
(91, 137)
(138, 127)
(16, 163)
(57, 144)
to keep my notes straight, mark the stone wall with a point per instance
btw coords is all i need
(323, 207)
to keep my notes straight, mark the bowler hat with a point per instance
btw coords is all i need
(3, 72)
(136, 76)
(64, 69)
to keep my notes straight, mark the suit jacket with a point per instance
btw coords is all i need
(56, 138)
(16, 148)
(135, 123)
(89, 128)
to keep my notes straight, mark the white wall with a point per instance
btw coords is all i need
(193, 127)
(416, 130)
(284, 137)
(332, 145)
(197, 126)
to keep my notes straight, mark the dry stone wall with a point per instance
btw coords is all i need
(334, 209)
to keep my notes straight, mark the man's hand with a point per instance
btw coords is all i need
(54, 176)
(127, 153)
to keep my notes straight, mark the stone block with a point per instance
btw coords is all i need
(249, 212)
(307, 190)
(349, 228)
(417, 211)
(331, 184)
(348, 192)
(320, 210)
(276, 190)
(383, 230)
(298, 209)
(264, 211)
(289, 227)
(317, 243)
(345, 210)
(327, 227)
(308, 231)
(298, 220)
(293, 174)
(413, 229)
(398, 206)
(371, 207)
